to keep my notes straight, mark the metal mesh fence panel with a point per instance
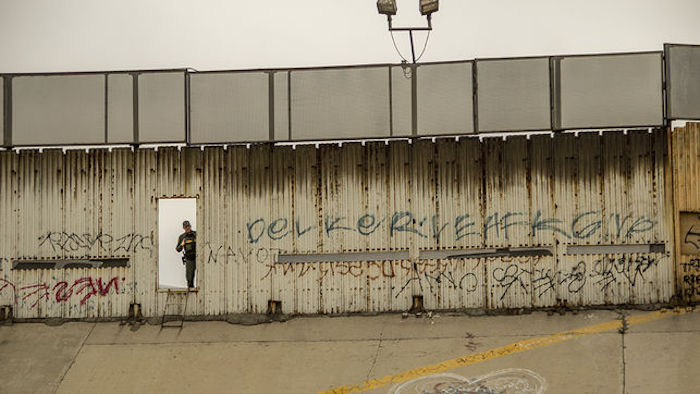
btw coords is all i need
(2, 111)
(340, 103)
(58, 109)
(281, 94)
(120, 108)
(513, 95)
(683, 82)
(161, 108)
(610, 91)
(401, 101)
(445, 99)
(229, 107)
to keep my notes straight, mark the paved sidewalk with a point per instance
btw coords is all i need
(656, 354)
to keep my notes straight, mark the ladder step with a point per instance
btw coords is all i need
(174, 318)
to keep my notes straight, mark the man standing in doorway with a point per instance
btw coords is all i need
(187, 241)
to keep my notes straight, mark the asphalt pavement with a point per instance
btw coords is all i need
(591, 351)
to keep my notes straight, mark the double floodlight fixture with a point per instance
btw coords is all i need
(426, 7)
(388, 7)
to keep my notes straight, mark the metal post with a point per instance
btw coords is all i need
(414, 99)
(410, 31)
(271, 104)
(413, 51)
(135, 108)
(7, 111)
(106, 108)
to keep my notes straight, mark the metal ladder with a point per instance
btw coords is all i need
(176, 298)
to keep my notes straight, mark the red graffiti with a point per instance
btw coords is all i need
(63, 291)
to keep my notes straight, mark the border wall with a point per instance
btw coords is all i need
(527, 222)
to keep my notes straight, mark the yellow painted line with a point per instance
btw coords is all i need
(517, 347)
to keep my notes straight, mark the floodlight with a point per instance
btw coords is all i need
(427, 7)
(386, 7)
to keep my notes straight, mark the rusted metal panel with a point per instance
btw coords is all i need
(8, 167)
(281, 209)
(452, 283)
(145, 220)
(259, 196)
(69, 218)
(254, 203)
(685, 148)
(400, 202)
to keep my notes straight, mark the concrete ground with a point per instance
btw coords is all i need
(308, 355)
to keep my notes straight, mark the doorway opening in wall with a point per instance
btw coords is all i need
(172, 267)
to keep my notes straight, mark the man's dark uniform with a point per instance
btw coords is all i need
(190, 254)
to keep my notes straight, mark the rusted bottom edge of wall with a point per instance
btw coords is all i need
(254, 319)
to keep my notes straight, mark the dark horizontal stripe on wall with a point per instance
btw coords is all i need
(485, 252)
(404, 255)
(70, 263)
(615, 249)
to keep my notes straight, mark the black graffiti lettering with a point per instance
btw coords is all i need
(576, 278)
(508, 277)
(692, 265)
(628, 269)
(100, 242)
(213, 256)
(544, 281)
(692, 237)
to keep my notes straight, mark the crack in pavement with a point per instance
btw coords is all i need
(623, 330)
(57, 384)
(376, 354)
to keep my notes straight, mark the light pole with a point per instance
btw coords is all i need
(427, 7)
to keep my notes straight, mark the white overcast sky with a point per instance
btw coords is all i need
(86, 35)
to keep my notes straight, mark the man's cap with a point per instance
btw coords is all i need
(185, 223)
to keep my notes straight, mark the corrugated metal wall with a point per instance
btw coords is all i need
(259, 202)
(685, 144)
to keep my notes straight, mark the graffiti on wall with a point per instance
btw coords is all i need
(518, 276)
(499, 224)
(61, 241)
(691, 277)
(506, 275)
(690, 233)
(62, 291)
